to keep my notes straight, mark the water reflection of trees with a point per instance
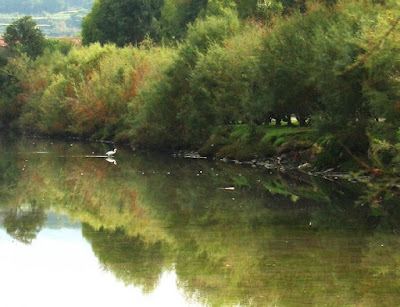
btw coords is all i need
(24, 223)
(9, 173)
(131, 259)
(277, 238)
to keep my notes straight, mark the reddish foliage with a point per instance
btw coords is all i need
(70, 91)
(89, 76)
(60, 126)
(39, 84)
(136, 77)
(90, 114)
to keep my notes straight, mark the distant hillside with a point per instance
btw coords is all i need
(32, 7)
(54, 17)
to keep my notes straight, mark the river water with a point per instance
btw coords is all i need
(154, 230)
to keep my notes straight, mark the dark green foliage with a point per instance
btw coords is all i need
(354, 83)
(22, 36)
(331, 154)
(224, 85)
(162, 121)
(61, 45)
(247, 8)
(10, 87)
(188, 11)
(286, 67)
(294, 5)
(121, 22)
(319, 64)
(129, 21)
(176, 15)
(344, 112)
(10, 107)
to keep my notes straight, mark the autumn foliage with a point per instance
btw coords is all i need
(87, 92)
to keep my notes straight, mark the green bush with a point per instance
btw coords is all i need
(224, 85)
(159, 121)
(87, 92)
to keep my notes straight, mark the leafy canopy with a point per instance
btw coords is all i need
(23, 36)
(121, 22)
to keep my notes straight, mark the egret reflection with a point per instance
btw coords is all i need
(111, 160)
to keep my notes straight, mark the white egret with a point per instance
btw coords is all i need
(111, 152)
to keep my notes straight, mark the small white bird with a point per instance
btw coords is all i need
(111, 152)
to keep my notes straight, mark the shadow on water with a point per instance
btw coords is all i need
(233, 234)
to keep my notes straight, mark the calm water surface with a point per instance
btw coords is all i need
(153, 230)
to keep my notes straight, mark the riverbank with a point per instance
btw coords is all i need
(288, 148)
(249, 142)
(217, 92)
(298, 163)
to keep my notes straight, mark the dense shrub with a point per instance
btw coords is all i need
(87, 92)
(159, 121)
(224, 86)
(332, 64)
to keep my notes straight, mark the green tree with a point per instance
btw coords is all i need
(160, 122)
(176, 15)
(121, 22)
(23, 36)
(287, 85)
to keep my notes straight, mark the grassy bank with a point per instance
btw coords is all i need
(245, 142)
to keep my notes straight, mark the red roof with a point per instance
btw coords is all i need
(2, 43)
